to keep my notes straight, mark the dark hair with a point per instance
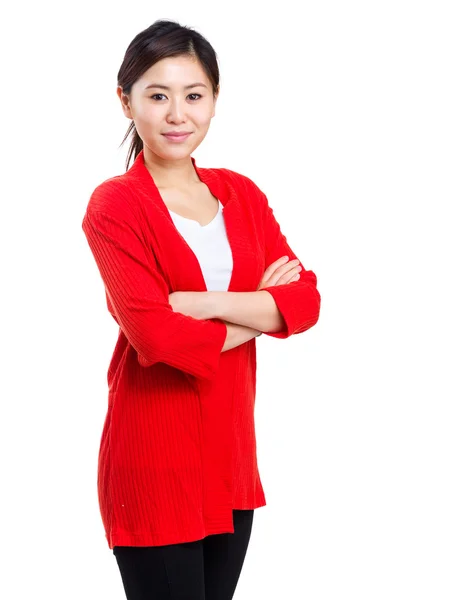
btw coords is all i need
(162, 39)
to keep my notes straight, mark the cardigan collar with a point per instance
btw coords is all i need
(240, 231)
(211, 177)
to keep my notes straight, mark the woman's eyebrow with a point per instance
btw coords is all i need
(165, 87)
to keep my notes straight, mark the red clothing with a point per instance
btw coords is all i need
(178, 447)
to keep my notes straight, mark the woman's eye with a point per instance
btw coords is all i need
(154, 95)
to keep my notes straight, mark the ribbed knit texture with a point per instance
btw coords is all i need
(178, 446)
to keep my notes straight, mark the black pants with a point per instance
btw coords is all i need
(206, 569)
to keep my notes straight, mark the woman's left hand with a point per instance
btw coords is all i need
(192, 304)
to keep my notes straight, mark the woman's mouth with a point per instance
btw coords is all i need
(173, 137)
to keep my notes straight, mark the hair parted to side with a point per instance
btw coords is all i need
(163, 39)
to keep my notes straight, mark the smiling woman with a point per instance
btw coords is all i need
(174, 116)
(193, 263)
(170, 100)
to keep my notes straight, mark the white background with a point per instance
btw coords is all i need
(344, 114)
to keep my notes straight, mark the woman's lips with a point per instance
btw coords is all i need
(176, 138)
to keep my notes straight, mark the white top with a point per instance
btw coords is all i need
(210, 245)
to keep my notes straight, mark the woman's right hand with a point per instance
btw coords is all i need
(281, 271)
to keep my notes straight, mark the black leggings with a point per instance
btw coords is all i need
(206, 569)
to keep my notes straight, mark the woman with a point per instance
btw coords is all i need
(194, 266)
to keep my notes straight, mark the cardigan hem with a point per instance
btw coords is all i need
(150, 538)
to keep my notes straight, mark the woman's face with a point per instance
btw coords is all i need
(176, 107)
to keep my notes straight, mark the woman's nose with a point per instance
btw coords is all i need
(177, 110)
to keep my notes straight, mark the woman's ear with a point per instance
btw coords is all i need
(216, 96)
(125, 102)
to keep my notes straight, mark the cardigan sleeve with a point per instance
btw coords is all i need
(139, 296)
(298, 301)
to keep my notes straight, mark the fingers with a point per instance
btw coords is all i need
(281, 271)
(285, 273)
(274, 265)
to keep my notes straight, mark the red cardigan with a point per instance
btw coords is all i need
(178, 447)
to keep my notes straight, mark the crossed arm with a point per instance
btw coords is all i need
(138, 295)
(256, 310)
(278, 309)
